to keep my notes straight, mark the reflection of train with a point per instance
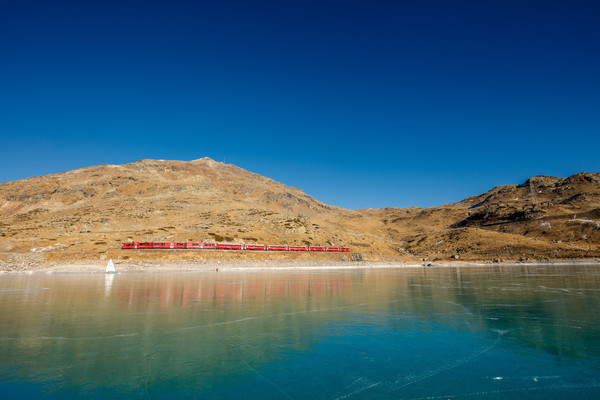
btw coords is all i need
(226, 246)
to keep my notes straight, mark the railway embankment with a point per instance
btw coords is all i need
(160, 260)
(150, 258)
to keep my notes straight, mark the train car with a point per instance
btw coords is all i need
(229, 246)
(168, 245)
(209, 246)
(317, 248)
(193, 245)
(298, 248)
(128, 245)
(345, 249)
(143, 245)
(332, 249)
(254, 247)
(277, 248)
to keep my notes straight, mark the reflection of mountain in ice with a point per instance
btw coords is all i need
(491, 332)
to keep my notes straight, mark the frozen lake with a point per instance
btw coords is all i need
(489, 332)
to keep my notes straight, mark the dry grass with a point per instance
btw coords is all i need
(87, 213)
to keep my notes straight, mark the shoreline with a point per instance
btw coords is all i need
(270, 265)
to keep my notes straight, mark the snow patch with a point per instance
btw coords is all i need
(57, 246)
(584, 221)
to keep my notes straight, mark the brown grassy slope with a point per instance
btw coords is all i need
(94, 209)
(87, 212)
(544, 218)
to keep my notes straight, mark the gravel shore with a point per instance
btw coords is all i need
(32, 264)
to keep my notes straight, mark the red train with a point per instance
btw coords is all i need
(227, 246)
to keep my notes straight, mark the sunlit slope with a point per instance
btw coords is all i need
(95, 208)
(88, 212)
(543, 218)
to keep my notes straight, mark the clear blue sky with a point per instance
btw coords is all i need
(359, 103)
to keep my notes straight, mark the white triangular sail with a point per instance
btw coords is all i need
(110, 267)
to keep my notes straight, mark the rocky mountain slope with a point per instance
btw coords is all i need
(543, 218)
(87, 213)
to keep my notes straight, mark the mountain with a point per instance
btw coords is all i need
(86, 214)
(543, 218)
